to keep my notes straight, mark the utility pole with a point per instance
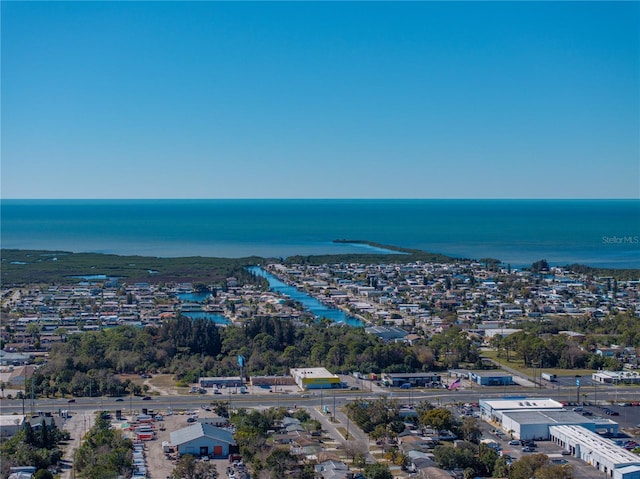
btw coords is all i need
(334, 407)
(32, 402)
(348, 427)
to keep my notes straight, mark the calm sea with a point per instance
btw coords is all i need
(591, 232)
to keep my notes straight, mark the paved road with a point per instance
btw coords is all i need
(472, 394)
(82, 408)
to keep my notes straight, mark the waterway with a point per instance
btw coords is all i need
(201, 298)
(318, 309)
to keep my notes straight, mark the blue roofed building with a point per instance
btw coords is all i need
(204, 440)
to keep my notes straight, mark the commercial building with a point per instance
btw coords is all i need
(615, 461)
(387, 333)
(536, 425)
(269, 381)
(10, 424)
(315, 378)
(493, 409)
(204, 440)
(412, 379)
(616, 377)
(491, 378)
(220, 382)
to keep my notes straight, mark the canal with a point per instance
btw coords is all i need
(310, 303)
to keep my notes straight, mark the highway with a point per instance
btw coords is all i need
(605, 395)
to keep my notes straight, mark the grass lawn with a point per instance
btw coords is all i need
(162, 381)
(518, 365)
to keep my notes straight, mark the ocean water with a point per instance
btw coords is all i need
(592, 232)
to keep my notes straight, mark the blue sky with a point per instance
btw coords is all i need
(320, 100)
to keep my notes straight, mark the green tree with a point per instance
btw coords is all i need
(185, 468)
(487, 458)
(470, 430)
(526, 467)
(43, 474)
(377, 471)
(553, 471)
(462, 456)
(500, 468)
(438, 418)
(281, 462)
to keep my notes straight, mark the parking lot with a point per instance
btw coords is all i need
(159, 464)
(627, 417)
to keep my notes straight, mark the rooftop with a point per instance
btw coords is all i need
(311, 372)
(521, 403)
(590, 441)
(548, 417)
(199, 430)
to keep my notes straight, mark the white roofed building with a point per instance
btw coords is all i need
(10, 424)
(315, 378)
(601, 453)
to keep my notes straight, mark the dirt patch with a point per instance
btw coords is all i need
(160, 464)
(77, 425)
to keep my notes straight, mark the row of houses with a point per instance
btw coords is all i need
(412, 300)
(476, 295)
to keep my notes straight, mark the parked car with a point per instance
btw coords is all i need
(146, 398)
(528, 449)
(514, 442)
(119, 400)
(587, 413)
(565, 452)
(71, 400)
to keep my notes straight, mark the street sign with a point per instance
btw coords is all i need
(578, 382)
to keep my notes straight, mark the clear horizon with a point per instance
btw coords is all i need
(320, 100)
(319, 199)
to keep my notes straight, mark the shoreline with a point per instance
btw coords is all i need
(26, 266)
(599, 233)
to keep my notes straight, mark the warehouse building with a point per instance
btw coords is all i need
(528, 425)
(493, 409)
(315, 378)
(601, 453)
(204, 440)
